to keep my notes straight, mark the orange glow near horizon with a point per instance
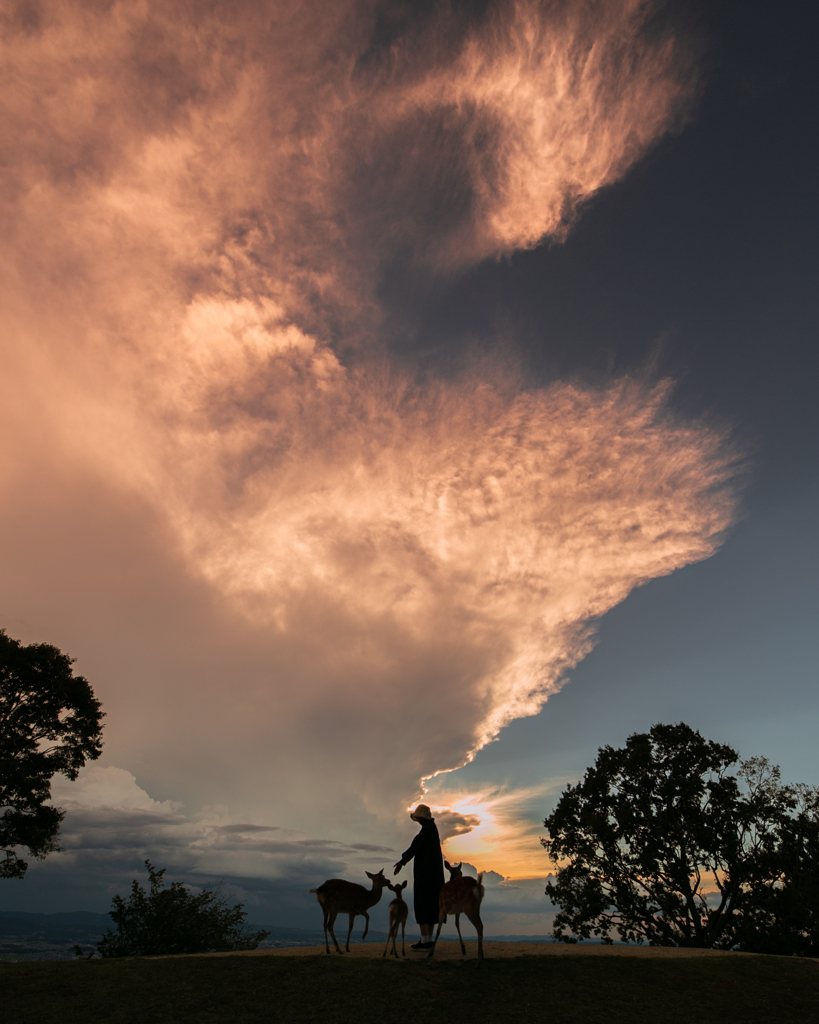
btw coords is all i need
(506, 841)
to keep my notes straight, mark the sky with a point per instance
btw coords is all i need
(401, 401)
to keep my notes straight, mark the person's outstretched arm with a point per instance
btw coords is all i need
(407, 855)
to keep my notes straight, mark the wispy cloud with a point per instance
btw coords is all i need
(331, 581)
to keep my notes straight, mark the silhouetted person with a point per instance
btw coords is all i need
(428, 873)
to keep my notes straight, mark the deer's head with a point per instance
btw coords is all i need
(454, 870)
(398, 889)
(379, 880)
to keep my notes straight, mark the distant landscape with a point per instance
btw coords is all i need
(26, 936)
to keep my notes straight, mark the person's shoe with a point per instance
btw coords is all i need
(421, 945)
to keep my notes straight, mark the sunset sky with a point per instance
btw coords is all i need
(402, 399)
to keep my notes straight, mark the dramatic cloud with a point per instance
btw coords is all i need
(302, 580)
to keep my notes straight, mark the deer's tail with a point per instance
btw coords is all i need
(481, 890)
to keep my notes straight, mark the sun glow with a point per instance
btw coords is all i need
(503, 831)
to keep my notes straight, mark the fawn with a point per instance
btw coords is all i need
(339, 897)
(461, 896)
(398, 916)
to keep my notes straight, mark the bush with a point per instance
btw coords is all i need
(164, 922)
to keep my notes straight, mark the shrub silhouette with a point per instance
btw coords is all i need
(164, 922)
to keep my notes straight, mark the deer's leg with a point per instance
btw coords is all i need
(388, 942)
(326, 943)
(460, 937)
(366, 926)
(349, 932)
(475, 917)
(332, 926)
(441, 919)
(394, 934)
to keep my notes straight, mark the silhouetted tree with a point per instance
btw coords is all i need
(164, 921)
(662, 844)
(783, 915)
(50, 722)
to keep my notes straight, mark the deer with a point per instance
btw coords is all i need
(398, 916)
(339, 897)
(461, 896)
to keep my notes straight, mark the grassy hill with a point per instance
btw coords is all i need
(731, 989)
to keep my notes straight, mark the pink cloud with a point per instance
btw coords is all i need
(302, 582)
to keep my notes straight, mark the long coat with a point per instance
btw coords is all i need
(428, 871)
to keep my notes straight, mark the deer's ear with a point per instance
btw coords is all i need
(367, 873)
(447, 865)
(404, 884)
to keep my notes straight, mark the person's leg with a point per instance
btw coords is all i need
(425, 941)
(426, 915)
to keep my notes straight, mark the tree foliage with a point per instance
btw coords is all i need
(783, 911)
(661, 843)
(163, 922)
(50, 722)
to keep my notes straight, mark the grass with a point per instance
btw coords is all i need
(557, 990)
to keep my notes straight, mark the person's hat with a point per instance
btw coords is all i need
(421, 812)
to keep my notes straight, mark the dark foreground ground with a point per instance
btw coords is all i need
(555, 989)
